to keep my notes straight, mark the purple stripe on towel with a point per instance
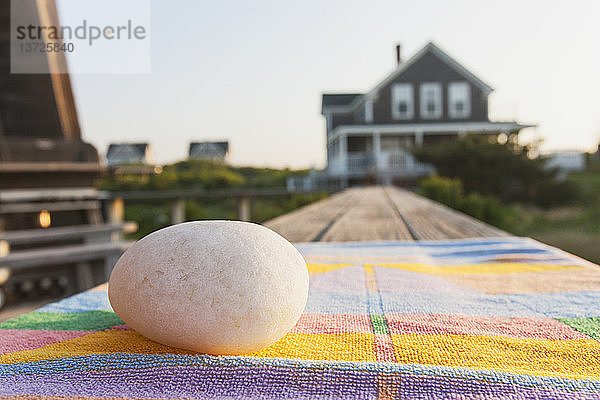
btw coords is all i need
(199, 382)
(270, 383)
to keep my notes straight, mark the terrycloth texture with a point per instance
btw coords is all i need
(502, 318)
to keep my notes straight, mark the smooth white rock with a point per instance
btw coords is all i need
(217, 287)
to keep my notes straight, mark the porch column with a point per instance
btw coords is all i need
(343, 155)
(343, 159)
(377, 149)
(418, 139)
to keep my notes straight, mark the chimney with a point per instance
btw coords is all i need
(398, 54)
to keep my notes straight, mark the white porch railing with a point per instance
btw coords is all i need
(361, 163)
(398, 163)
(402, 161)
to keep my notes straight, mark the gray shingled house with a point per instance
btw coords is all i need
(427, 99)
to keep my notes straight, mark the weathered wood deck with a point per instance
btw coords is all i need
(363, 214)
(378, 213)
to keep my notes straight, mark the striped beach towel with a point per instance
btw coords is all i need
(484, 318)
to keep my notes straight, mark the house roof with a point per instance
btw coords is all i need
(208, 148)
(126, 153)
(450, 61)
(339, 99)
(429, 48)
(117, 147)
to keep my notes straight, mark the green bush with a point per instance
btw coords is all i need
(206, 175)
(501, 170)
(449, 191)
(445, 190)
(476, 206)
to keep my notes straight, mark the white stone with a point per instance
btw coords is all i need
(217, 287)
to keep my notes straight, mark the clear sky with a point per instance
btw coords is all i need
(253, 72)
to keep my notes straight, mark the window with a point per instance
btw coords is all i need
(431, 100)
(459, 100)
(402, 101)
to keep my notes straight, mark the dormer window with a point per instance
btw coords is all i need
(431, 100)
(459, 100)
(402, 101)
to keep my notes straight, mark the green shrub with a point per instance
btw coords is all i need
(551, 194)
(449, 191)
(445, 190)
(476, 206)
(206, 175)
(501, 170)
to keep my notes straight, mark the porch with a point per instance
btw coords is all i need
(378, 157)
(384, 153)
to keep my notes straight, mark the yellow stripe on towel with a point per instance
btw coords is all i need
(341, 347)
(321, 268)
(567, 358)
(503, 268)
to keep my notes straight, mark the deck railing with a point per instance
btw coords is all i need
(397, 163)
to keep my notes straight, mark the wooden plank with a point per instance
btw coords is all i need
(308, 223)
(433, 221)
(62, 255)
(32, 236)
(41, 194)
(15, 208)
(198, 193)
(372, 217)
(378, 213)
(51, 166)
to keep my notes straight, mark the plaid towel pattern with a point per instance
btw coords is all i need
(485, 318)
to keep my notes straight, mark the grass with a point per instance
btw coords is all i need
(584, 245)
(575, 228)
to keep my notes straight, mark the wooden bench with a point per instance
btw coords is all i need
(86, 252)
(79, 255)
(88, 233)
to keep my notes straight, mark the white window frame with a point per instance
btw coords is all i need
(459, 92)
(403, 92)
(426, 87)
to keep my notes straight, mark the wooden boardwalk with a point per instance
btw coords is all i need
(363, 214)
(378, 213)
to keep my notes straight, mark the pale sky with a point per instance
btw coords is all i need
(253, 72)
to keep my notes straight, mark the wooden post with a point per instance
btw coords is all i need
(116, 210)
(4, 248)
(85, 276)
(116, 214)
(4, 272)
(178, 211)
(244, 209)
